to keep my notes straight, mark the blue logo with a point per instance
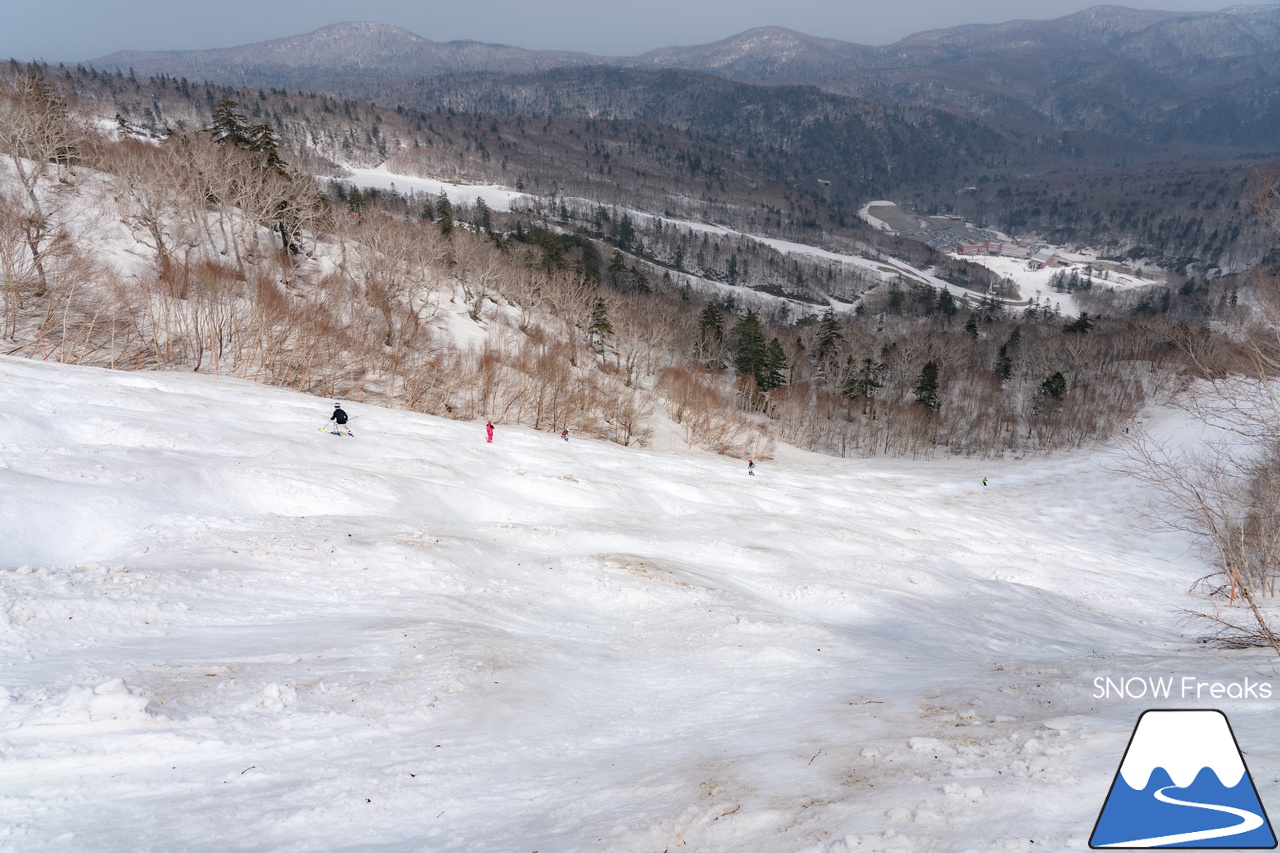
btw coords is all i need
(1183, 783)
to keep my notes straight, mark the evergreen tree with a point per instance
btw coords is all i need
(710, 323)
(229, 126)
(1049, 394)
(444, 214)
(1004, 361)
(262, 141)
(750, 353)
(971, 326)
(1004, 364)
(947, 304)
(637, 280)
(1079, 325)
(483, 218)
(625, 233)
(897, 299)
(774, 369)
(1054, 387)
(600, 327)
(355, 199)
(617, 269)
(828, 336)
(926, 389)
(866, 381)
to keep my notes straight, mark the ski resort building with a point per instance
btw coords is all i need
(1042, 259)
(995, 248)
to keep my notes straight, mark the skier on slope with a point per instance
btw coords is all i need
(339, 418)
(751, 467)
(564, 433)
(488, 430)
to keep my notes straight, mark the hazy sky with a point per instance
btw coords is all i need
(74, 30)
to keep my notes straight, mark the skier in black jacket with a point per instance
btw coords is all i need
(339, 418)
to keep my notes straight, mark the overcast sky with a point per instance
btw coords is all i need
(75, 30)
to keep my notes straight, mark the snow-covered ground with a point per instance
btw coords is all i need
(496, 197)
(501, 198)
(1034, 284)
(223, 629)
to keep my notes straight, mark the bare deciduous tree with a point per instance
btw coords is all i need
(38, 131)
(1228, 492)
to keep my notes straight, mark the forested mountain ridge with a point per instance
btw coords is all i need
(792, 162)
(333, 55)
(1197, 79)
(1133, 132)
(864, 148)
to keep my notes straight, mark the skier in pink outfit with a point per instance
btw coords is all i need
(488, 430)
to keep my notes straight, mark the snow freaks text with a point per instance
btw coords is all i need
(1171, 687)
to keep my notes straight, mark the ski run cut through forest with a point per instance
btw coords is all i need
(222, 628)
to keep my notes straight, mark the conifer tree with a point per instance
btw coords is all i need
(1004, 361)
(1079, 325)
(261, 140)
(926, 389)
(749, 350)
(229, 126)
(866, 381)
(617, 269)
(483, 218)
(1054, 387)
(624, 234)
(444, 214)
(710, 323)
(828, 336)
(773, 372)
(599, 327)
(947, 304)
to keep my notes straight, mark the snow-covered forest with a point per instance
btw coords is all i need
(209, 250)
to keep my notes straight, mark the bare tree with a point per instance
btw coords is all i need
(39, 133)
(1228, 493)
(17, 274)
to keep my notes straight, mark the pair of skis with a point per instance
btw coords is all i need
(348, 433)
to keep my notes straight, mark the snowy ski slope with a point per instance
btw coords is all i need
(223, 629)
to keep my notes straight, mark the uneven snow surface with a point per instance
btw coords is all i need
(224, 629)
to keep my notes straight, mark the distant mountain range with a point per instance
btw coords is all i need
(1205, 78)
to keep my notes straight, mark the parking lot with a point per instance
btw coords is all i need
(938, 232)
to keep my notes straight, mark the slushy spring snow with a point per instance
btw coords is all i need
(222, 628)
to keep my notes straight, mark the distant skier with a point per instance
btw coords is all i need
(984, 481)
(564, 433)
(751, 467)
(339, 418)
(488, 430)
